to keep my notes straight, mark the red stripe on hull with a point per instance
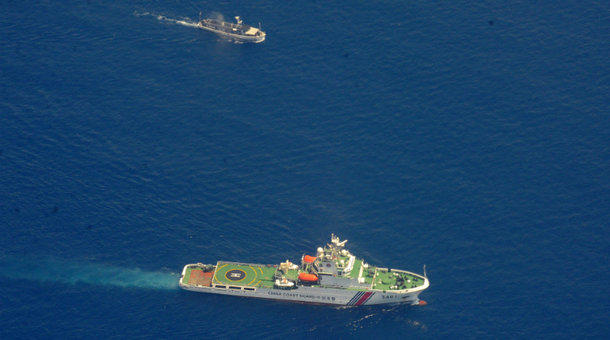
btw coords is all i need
(363, 298)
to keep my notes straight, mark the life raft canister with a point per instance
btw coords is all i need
(308, 277)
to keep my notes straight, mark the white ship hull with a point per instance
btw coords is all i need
(317, 295)
(333, 277)
(236, 37)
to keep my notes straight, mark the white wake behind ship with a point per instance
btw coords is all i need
(237, 31)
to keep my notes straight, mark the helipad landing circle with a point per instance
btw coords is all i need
(235, 275)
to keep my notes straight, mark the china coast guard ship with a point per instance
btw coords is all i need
(236, 31)
(334, 276)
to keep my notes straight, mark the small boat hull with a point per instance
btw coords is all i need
(234, 32)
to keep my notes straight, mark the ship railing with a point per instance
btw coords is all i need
(248, 264)
(407, 272)
(403, 291)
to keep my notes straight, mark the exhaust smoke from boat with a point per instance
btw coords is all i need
(217, 16)
(72, 272)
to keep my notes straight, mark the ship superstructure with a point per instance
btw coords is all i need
(334, 276)
(237, 31)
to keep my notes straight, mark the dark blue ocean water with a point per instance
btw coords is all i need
(470, 136)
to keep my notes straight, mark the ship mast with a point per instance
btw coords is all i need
(336, 246)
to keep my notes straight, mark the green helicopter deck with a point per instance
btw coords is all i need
(244, 274)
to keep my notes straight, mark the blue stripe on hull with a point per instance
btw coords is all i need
(355, 298)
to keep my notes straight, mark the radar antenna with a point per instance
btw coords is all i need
(337, 242)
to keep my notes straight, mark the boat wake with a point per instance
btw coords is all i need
(69, 272)
(186, 22)
(183, 22)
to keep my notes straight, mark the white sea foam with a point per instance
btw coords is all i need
(72, 272)
(183, 22)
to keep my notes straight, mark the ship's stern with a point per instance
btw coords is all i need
(197, 275)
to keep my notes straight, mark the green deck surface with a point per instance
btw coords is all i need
(256, 275)
(187, 275)
(292, 274)
(368, 274)
(260, 275)
(385, 280)
(356, 269)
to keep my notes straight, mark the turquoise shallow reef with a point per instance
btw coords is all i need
(468, 136)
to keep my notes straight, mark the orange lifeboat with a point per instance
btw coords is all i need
(309, 259)
(308, 277)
